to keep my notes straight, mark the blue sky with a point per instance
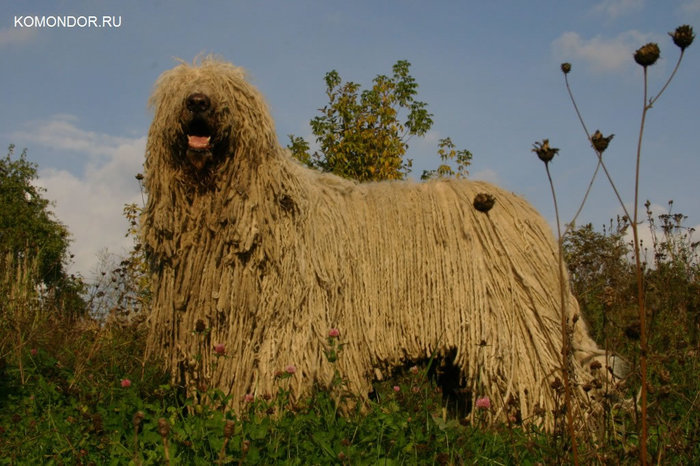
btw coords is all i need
(489, 71)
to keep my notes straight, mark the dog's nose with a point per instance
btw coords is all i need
(198, 103)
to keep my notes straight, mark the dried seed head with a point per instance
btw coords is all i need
(683, 36)
(556, 384)
(163, 427)
(484, 202)
(543, 151)
(647, 54)
(601, 142)
(228, 428)
(595, 365)
(565, 68)
(138, 417)
(587, 387)
(608, 296)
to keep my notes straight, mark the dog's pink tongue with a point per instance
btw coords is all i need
(198, 142)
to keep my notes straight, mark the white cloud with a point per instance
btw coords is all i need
(616, 8)
(10, 36)
(91, 203)
(488, 175)
(600, 53)
(60, 132)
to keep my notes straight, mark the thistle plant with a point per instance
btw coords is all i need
(546, 153)
(645, 56)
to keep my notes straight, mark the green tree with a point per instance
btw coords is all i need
(448, 153)
(364, 135)
(28, 230)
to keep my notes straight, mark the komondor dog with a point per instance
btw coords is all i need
(256, 257)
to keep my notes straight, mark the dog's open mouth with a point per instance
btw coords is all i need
(199, 143)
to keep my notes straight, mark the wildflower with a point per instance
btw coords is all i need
(290, 369)
(601, 142)
(397, 388)
(484, 202)
(483, 403)
(249, 398)
(33, 351)
(125, 383)
(543, 151)
(334, 333)
(414, 370)
(220, 349)
(565, 68)
(415, 389)
(647, 54)
(683, 36)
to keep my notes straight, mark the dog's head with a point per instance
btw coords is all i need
(207, 113)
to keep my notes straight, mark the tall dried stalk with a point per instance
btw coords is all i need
(644, 347)
(566, 342)
(546, 154)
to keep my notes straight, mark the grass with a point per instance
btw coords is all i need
(64, 413)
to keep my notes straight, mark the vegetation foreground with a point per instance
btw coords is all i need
(75, 390)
